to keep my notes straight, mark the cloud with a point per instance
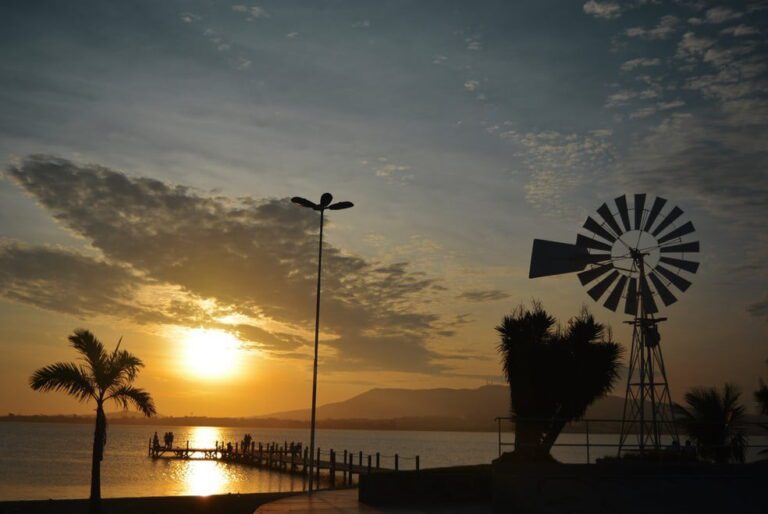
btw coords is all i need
(188, 17)
(640, 62)
(250, 257)
(481, 295)
(721, 14)
(471, 85)
(253, 11)
(558, 163)
(692, 45)
(65, 281)
(720, 165)
(606, 10)
(659, 107)
(667, 26)
(740, 31)
(759, 309)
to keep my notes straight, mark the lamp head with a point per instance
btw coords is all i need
(305, 203)
(340, 205)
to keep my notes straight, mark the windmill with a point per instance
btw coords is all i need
(632, 257)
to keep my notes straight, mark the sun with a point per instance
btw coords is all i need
(210, 353)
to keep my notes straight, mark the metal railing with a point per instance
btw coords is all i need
(582, 427)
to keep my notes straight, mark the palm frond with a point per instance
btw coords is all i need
(92, 351)
(761, 397)
(64, 376)
(122, 367)
(127, 395)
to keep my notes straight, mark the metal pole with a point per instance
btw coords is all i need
(642, 353)
(317, 333)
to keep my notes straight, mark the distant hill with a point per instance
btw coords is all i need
(377, 409)
(466, 406)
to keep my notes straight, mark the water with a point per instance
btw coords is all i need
(52, 460)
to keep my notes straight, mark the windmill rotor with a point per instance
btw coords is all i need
(610, 245)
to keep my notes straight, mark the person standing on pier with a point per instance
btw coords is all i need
(155, 442)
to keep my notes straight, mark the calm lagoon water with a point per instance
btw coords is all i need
(52, 460)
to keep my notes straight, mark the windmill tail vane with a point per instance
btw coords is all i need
(635, 256)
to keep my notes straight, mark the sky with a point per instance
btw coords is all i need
(149, 151)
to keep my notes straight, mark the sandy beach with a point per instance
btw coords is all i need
(215, 504)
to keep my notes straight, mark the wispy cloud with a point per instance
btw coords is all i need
(252, 12)
(602, 9)
(666, 27)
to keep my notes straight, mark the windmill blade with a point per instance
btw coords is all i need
(607, 216)
(601, 287)
(597, 229)
(689, 266)
(553, 258)
(680, 231)
(647, 296)
(639, 209)
(630, 307)
(679, 282)
(675, 213)
(613, 299)
(587, 242)
(666, 295)
(681, 248)
(658, 205)
(585, 277)
(621, 204)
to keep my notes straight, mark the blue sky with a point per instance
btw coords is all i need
(460, 130)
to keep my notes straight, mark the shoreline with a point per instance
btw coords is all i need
(233, 503)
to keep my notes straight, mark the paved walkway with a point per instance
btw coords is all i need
(345, 501)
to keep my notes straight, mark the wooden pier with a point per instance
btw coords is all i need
(288, 458)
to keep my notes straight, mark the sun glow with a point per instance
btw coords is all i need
(210, 353)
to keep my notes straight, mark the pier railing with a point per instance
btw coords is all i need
(595, 431)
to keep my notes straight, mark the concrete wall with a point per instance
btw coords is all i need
(625, 488)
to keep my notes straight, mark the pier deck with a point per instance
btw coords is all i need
(289, 458)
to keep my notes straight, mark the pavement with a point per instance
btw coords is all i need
(345, 501)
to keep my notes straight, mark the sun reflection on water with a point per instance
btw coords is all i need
(200, 477)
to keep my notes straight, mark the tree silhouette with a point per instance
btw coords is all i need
(761, 397)
(714, 420)
(553, 374)
(101, 376)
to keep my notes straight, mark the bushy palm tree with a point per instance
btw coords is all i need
(714, 420)
(553, 375)
(101, 376)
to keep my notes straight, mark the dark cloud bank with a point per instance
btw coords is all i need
(252, 257)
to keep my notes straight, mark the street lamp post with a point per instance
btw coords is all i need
(325, 203)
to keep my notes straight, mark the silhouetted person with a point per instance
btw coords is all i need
(155, 441)
(170, 439)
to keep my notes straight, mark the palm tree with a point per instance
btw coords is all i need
(714, 420)
(761, 397)
(101, 376)
(553, 375)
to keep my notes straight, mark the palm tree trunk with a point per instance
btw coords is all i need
(99, 435)
(552, 434)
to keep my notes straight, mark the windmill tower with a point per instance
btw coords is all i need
(632, 256)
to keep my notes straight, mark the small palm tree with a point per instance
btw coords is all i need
(714, 420)
(101, 376)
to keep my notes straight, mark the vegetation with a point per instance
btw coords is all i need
(553, 374)
(761, 397)
(714, 419)
(101, 376)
